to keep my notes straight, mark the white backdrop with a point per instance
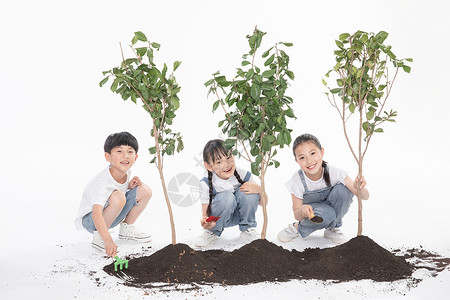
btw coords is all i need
(54, 117)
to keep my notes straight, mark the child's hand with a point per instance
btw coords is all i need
(362, 182)
(250, 188)
(110, 248)
(306, 211)
(134, 183)
(207, 225)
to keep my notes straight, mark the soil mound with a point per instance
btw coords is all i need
(359, 258)
(261, 260)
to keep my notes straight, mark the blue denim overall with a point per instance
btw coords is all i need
(330, 203)
(234, 208)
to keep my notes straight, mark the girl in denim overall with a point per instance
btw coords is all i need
(224, 194)
(321, 194)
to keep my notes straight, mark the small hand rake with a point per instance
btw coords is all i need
(120, 262)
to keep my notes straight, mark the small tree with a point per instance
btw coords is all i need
(258, 108)
(139, 78)
(364, 79)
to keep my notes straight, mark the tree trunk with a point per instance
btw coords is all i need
(163, 182)
(360, 221)
(169, 207)
(360, 161)
(264, 203)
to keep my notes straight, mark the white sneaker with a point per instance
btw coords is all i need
(250, 234)
(98, 244)
(288, 234)
(335, 235)
(131, 232)
(205, 239)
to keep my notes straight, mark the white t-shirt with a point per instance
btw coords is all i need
(295, 185)
(221, 185)
(98, 191)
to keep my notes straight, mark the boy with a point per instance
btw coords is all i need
(113, 197)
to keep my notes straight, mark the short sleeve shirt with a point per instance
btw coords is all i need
(221, 185)
(98, 191)
(295, 185)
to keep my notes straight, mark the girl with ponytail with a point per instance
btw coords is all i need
(321, 193)
(227, 192)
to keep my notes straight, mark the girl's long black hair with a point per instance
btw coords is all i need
(311, 138)
(213, 151)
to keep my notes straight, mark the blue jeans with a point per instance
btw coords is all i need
(235, 208)
(332, 210)
(88, 222)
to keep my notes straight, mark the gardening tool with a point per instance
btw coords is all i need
(212, 219)
(120, 262)
(316, 219)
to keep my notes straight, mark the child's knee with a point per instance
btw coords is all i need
(117, 199)
(224, 202)
(250, 200)
(144, 192)
(341, 192)
(327, 213)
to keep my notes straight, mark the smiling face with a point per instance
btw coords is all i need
(309, 157)
(121, 159)
(223, 166)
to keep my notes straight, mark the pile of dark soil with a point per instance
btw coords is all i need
(261, 260)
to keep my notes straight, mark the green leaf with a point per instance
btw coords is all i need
(289, 112)
(229, 143)
(379, 130)
(343, 36)
(220, 79)
(156, 45)
(255, 168)
(103, 81)
(269, 73)
(141, 51)
(245, 63)
(255, 91)
(216, 105)
(258, 159)
(209, 82)
(176, 64)
(336, 90)
(277, 163)
(269, 60)
(152, 150)
(339, 44)
(407, 69)
(265, 54)
(288, 44)
(352, 107)
(290, 74)
(370, 114)
(381, 36)
(140, 36)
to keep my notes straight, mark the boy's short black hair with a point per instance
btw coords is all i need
(119, 139)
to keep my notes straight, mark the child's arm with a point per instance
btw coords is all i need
(206, 225)
(301, 210)
(352, 186)
(136, 181)
(100, 225)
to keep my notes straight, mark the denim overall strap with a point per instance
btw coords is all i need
(302, 178)
(247, 176)
(207, 183)
(316, 195)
